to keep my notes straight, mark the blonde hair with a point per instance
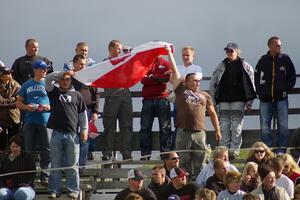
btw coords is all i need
(248, 167)
(269, 154)
(231, 176)
(205, 194)
(188, 48)
(292, 163)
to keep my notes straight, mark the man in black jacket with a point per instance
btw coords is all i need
(274, 76)
(22, 66)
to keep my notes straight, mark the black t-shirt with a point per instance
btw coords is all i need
(146, 193)
(23, 69)
(185, 193)
(65, 107)
(215, 184)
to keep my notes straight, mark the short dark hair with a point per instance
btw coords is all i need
(189, 75)
(113, 43)
(167, 155)
(276, 164)
(271, 39)
(78, 57)
(30, 40)
(16, 139)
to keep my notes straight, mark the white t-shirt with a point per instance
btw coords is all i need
(183, 70)
(287, 184)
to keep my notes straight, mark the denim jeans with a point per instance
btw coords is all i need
(22, 193)
(191, 140)
(231, 124)
(152, 108)
(84, 149)
(280, 110)
(64, 147)
(36, 139)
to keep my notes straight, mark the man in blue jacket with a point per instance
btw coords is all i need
(274, 76)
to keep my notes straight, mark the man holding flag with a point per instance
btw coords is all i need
(118, 105)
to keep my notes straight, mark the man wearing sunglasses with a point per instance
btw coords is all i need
(275, 76)
(135, 179)
(171, 160)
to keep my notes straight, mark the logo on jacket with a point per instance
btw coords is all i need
(282, 68)
(65, 98)
(261, 80)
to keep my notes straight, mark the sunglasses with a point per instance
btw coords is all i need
(229, 51)
(259, 151)
(174, 158)
(137, 179)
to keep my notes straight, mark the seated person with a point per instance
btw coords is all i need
(215, 182)
(178, 186)
(17, 186)
(171, 160)
(281, 180)
(260, 153)
(291, 169)
(250, 177)
(220, 152)
(268, 189)
(159, 179)
(232, 182)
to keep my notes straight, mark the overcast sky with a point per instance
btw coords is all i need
(208, 25)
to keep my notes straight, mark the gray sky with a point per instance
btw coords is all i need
(208, 25)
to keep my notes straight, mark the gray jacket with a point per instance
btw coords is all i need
(217, 76)
(280, 193)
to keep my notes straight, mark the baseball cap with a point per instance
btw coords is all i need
(4, 69)
(39, 64)
(232, 46)
(135, 174)
(178, 172)
(174, 197)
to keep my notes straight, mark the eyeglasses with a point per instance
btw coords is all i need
(259, 151)
(286, 166)
(174, 158)
(229, 51)
(137, 179)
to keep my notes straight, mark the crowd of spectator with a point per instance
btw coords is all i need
(53, 113)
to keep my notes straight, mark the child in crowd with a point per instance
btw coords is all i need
(232, 182)
(297, 193)
(291, 169)
(250, 177)
(250, 196)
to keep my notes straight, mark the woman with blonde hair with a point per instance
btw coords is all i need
(291, 169)
(250, 177)
(260, 153)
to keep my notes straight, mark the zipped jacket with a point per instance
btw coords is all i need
(274, 77)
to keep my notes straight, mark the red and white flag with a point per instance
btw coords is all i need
(123, 71)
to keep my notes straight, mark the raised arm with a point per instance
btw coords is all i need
(175, 73)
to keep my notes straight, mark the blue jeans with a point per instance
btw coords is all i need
(36, 139)
(150, 109)
(22, 193)
(64, 147)
(84, 149)
(280, 110)
(231, 124)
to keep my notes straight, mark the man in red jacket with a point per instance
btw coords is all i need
(155, 104)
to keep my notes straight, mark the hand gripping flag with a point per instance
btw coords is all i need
(123, 71)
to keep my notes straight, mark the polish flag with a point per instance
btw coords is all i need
(123, 71)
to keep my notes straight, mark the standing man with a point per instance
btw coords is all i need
(155, 103)
(191, 105)
(188, 56)
(91, 99)
(274, 75)
(82, 48)
(22, 66)
(67, 107)
(118, 105)
(34, 102)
